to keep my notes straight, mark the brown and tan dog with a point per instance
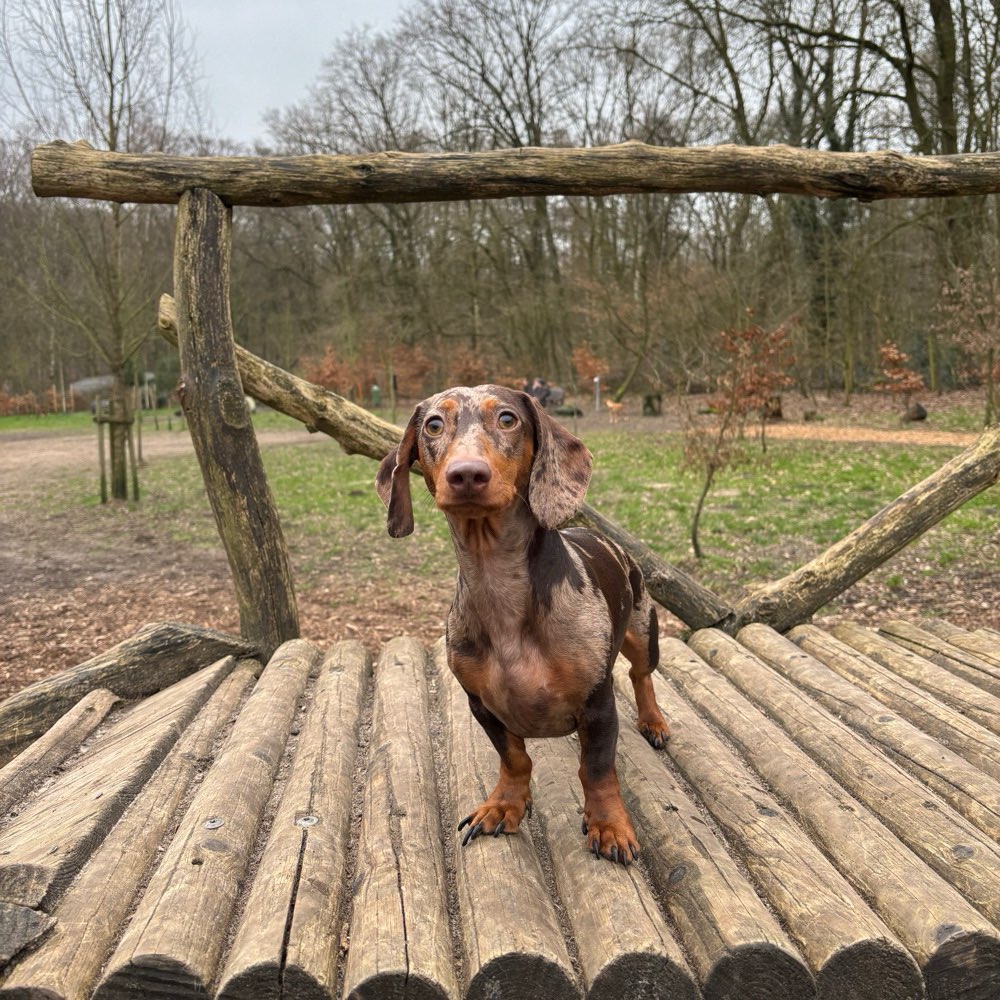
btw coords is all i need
(539, 614)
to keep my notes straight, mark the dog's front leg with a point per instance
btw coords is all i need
(606, 823)
(510, 801)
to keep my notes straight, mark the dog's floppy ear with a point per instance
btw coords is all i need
(392, 481)
(560, 473)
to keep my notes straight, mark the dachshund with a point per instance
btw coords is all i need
(539, 614)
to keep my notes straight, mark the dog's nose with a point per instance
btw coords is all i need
(468, 477)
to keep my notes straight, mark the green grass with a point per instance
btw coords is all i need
(769, 515)
(763, 518)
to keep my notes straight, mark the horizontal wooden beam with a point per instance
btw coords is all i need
(77, 170)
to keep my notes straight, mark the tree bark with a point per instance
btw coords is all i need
(219, 420)
(61, 169)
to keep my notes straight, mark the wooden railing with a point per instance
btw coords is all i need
(215, 372)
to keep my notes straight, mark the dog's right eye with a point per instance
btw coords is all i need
(434, 426)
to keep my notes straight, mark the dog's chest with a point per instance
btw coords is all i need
(532, 691)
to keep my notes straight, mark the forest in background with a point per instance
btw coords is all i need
(639, 286)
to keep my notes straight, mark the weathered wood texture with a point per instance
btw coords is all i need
(956, 947)
(77, 170)
(793, 599)
(88, 919)
(974, 742)
(173, 943)
(356, 430)
(33, 765)
(157, 656)
(981, 668)
(46, 843)
(300, 840)
(974, 794)
(294, 907)
(850, 951)
(946, 841)
(361, 433)
(521, 947)
(219, 421)
(400, 940)
(935, 680)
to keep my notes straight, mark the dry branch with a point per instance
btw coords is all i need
(79, 171)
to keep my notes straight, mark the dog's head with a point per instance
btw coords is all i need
(479, 450)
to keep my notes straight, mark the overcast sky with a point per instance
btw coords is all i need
(260, 54)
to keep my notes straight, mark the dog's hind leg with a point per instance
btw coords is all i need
(642, 649)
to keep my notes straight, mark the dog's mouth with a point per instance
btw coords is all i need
(475, 507)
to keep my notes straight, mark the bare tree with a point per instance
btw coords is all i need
(122, 75)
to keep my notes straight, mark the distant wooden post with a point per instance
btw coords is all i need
(216, 410)
(100, 449)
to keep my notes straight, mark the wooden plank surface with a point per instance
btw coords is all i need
(960, 694)
(984, 673)
(851, 952)
(948, 842)
(974, 742)
(520, 947)
(760, 877)
(626, 949)
(36, 763)
(970, 792)
(400, 941)
(733, 941)
(55, 833)
(956, 947)
(89, 918)
(156, 657)
(176, 936)
(284, 942)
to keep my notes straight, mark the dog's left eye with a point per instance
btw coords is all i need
(434, 426)
(507, 420)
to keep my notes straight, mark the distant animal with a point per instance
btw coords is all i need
(539, 614)
(614, 410)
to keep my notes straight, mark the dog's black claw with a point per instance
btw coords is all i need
(527, 811)
(583, 827)
(465, 822)
(614, 853)
(595, 846)
(472, 833)
(635, 853)
(500, 828)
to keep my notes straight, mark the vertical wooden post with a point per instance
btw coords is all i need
(99, 420)
(217, 414)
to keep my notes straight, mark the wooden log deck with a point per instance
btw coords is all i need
(823, 823)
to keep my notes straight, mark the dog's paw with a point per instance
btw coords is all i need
(656, 730)
(612, 839)
(494, 817)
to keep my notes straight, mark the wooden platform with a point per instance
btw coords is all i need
(823, 823)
